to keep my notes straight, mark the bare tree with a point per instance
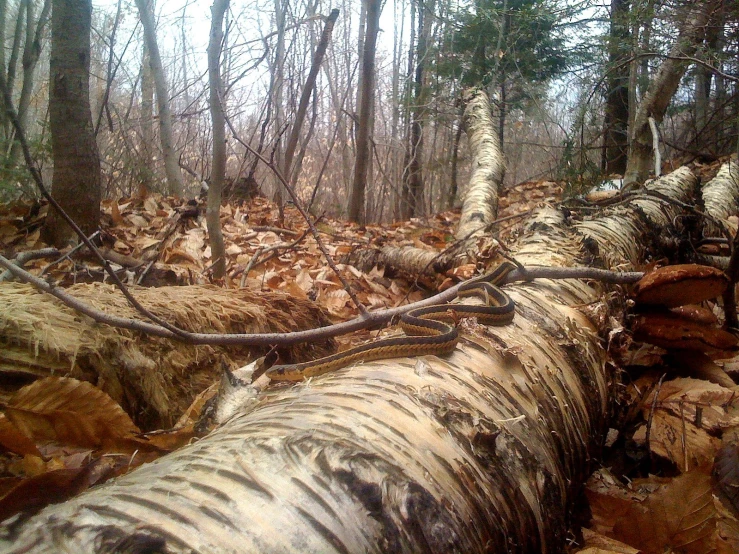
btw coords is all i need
(171, 163)
(213, 211)
(308, 90)
(359, 184)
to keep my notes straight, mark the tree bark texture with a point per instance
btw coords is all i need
(480, 205)
(213, 211)
(721, 196)
(473, 452)
(359, 184)
(662, 88)
(76, 183)
(175, 183)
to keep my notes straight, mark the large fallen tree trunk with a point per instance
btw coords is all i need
(479, 451)
(473, 452)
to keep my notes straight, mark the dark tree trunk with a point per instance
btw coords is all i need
(413, 173)
(76, 182)
(356, 198)
(615, 140)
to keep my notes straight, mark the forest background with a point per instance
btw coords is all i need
(564, 77)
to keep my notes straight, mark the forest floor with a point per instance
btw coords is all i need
(657, 484)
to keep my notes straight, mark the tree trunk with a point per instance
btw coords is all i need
(171, 163)
(356, 198)
(277, 91)
(413, 181)
(615, 139)
(662, 88)
(76, 182)
(310, 83)
(454, 166)
(213, 211)
(481, 201)
(146, 156)
(31, 51)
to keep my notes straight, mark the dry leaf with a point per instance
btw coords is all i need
(702, 403)
(678, 516)
(678, 440)
(68, 411)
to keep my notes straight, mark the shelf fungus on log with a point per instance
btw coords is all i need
(677, 285)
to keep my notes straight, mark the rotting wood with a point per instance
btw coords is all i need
(145, 374)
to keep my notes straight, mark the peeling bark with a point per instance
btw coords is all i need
(478, 451)
(721, 196)
(480, 206)
(473, 452)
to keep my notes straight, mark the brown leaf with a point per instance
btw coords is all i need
(678, 440)
(678, 516)
(54, 486)
(68, 411)
(699, 402)
(600, 544)
(15, 441)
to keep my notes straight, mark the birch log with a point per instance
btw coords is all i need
(474, 452)
(721, 196)
(480, 206)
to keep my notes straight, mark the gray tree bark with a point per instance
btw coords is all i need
(218, 119)
(356, 211)
(76, 182)
(171, 163)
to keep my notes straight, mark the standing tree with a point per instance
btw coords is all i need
(76, 183)
(171, 163)
(664, 85)
(213, 211)
(615, 140)
(412, 171)
(366, 100)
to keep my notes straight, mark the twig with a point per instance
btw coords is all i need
(68, 254)
(27, 256)
(651, 413)
(364, 321)
(275, 251)
(277, 230)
